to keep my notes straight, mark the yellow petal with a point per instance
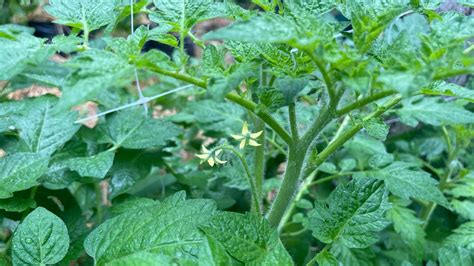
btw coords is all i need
(242, 144)
(202, 156)
(211, 161)
(204, 150)
(237, 137)
(253, 143)
(219, 161)
(256, 135)
(245, 129)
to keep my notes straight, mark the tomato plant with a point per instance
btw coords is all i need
(295, 132)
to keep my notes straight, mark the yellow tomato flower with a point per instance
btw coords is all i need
(210, 156)
(247, 137)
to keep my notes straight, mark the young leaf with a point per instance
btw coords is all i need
(130, 129)
(353, 214)
(41, 239)
(407, 183)
(376, 128)
(83, 14)
(169, 228)
(21, 171)
(443, 88)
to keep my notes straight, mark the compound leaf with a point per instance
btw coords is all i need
(41, 239)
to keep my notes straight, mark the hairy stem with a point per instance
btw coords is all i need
(259, 168)
(293, 122)
(295, 162)
(288, 186)
(253, 188)
(363, 102)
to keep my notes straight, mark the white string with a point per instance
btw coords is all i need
(144, 100)
(137, 81)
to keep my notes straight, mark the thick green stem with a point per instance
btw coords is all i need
(295, 163)
(247, 104)
(259, 168)
(288, 186)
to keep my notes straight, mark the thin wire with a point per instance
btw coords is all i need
(137, 82)
(139, 102)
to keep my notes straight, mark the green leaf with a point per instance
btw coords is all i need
(41, 239)
(352, 214)
(370, 21)
(21, 171)
(17, 204)
(94, 71)
(95, 166)
(169, 228)
(143, 259)
(182, 14)
(433, 111)
(219, 85)
(18, 52)
(325, 258)
(463, 236)
(408, 226)
(83, 14)
(454, 256)
(296, 29)
(465, 208)
(407, 183)
(290, 87)
(244, 236)
(130, 129)
(443, 88)
(42, 127)
(376, 128)
(353, 256)
(257, 29)
(212, 116)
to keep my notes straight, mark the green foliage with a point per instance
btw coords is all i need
(294, 132)
(41, 239)
(352, 214)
